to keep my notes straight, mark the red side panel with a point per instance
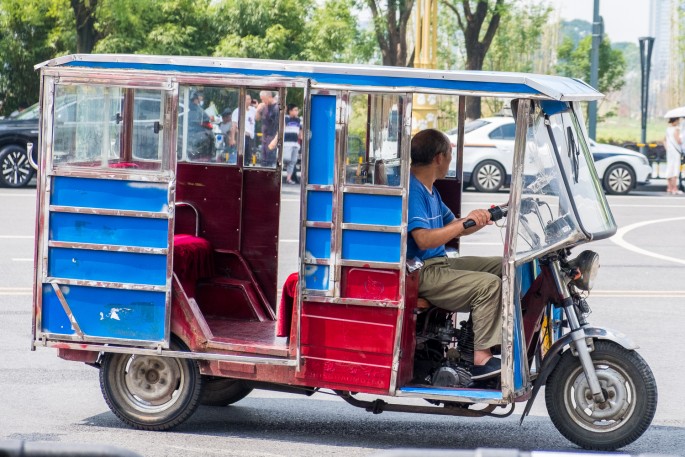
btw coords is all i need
(370, 284)
(408, 342)
(349, 346)
(216, 192)
(450, 192)
(261, 210)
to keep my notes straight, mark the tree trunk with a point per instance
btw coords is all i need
(471, 21)
(390, 26)
(86, 35)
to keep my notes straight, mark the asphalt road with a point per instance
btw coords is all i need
(640, 291)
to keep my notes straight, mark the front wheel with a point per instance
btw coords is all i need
(151, 392)
(619, 179)
(488, 176)
(15, 169)
(628, 385)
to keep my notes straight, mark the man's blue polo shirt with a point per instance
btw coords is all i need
(427, 211)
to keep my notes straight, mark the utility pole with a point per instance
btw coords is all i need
(646, 43)
(597, 32)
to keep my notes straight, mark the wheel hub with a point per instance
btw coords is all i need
(153, 379)
(617, 397)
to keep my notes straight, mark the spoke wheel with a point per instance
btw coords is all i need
(628, 386)
(151, 392)
(222, 391)
(619, 179)
(15, 169)
(488, 176)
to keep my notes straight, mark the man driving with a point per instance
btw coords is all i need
(455, 284)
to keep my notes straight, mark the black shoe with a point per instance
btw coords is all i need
(491, 369)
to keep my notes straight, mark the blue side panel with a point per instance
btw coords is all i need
(316, 277)
(372, 209)
(370, 246)
(526, 274)
(117, 230)
(109, 194)
(332, 78)
(551, 107)
(107, 313)
(318, 243)
(319, 206)
(322, 141)
(125, 267)
(481, 394)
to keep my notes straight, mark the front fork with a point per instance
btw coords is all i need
(577, 333)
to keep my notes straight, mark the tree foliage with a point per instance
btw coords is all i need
(31, 31)
(478, 21)
(574, 61)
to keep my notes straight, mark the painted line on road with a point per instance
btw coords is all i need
(19, 259)
(4, 194)
(639, 293)
(16, 291)
(618, 239)
(16, 237)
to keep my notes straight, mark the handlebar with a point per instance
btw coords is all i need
(496, 213)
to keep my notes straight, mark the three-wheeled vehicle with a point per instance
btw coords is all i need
(158, 257)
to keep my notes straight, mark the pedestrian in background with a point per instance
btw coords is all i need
(674, 147)
(250, 113)
(267, 112)
(292, 135)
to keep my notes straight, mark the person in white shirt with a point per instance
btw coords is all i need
(250, 113)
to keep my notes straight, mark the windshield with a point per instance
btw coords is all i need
(562, 201)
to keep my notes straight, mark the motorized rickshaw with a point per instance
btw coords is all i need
(157, 261)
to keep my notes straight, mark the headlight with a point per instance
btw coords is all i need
(644, 160)
(588, 264)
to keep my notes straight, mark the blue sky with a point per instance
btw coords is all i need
(624, 20)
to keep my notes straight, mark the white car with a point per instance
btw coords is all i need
(489, 152)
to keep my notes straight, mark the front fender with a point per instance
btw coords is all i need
(554, 354)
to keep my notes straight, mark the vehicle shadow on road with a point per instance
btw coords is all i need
(335, 424)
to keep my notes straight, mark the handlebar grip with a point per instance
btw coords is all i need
(496, 213)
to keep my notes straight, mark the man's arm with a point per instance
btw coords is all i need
(433, 238)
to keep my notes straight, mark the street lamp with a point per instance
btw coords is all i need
(646, 44)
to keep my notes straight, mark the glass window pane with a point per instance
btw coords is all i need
(509, 131)
(373, 142)
(87, 125)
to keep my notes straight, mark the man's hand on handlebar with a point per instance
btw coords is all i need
(482, 217)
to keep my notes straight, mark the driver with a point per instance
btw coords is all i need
(454, 284)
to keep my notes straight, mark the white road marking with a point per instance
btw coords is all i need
(618, 239)
(638, 293)
(16, 291)
(16, 237)
(22, 260)
(17, 195)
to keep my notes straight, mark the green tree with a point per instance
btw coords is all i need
(478, 23)
(267, 29)
(166, 27)
(31, 31)
(574, 61)
(331, 35)
(390, 20)
(86, 33)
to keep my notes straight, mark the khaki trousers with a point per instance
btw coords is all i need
(467, 284)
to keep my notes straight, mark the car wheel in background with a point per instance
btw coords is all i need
(15, 169)
(488, 176)
(619, 179)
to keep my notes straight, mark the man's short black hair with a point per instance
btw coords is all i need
(427, 144)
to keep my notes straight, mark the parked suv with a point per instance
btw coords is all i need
(16, 170)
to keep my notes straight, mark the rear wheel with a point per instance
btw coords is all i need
(628, 385)
(222, 391)
(151, 392)
(488, 176)
(619, 179)
(15, 169)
